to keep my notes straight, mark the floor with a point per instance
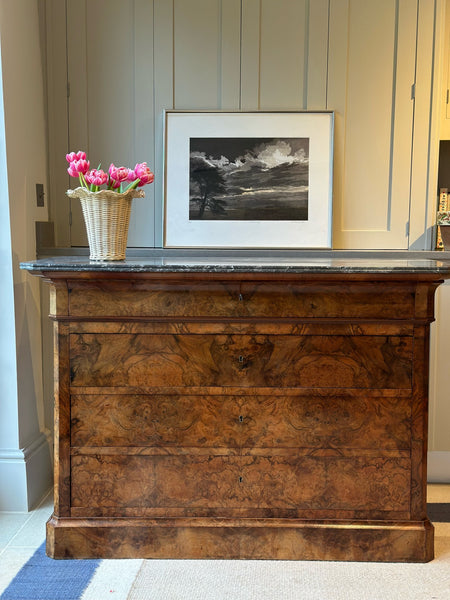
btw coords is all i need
(22, 533)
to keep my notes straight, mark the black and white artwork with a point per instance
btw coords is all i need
(248, 179)
(235, 179)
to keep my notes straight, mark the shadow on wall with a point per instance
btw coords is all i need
(33, 441)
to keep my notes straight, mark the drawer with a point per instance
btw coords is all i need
(156, 299)
(364, 300)
(314, 422)
(136, 360)
(237, 299)
(325, 422)
(154, 421)
(217, 482)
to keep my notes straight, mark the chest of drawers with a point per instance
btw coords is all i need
(241, 414)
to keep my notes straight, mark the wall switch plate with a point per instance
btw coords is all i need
(40, 194)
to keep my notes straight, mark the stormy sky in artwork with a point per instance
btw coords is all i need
(249, 179)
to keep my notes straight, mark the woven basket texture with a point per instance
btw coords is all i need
(107, 217)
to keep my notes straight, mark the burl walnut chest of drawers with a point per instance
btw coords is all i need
(241, 412)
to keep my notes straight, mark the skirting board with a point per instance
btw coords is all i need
(438, 467)
(25, 475)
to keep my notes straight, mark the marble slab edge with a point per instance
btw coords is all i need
(211, 264)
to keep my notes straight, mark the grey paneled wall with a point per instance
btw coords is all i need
(193, 54)
(206, 46)
(130, 62)
(259, 58)
(284, 54)
(110, 72)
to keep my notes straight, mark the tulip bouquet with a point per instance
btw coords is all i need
(119, 179)
(106, 210)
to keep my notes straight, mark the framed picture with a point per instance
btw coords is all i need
(248, 180)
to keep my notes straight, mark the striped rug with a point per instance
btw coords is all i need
(42, 578)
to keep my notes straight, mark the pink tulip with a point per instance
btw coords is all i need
(82, 166)
(72, 170)
(143, 173)
(131, 175)
(115, 178)
(96, 177)
(73, 156)
(118, 173)
(78, 167)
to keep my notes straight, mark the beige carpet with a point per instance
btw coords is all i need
(297, 580)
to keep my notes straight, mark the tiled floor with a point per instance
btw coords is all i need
(22, 533)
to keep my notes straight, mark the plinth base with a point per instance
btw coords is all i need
(273, 539)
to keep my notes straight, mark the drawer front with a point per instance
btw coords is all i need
(241, 299)
(333, 300)
(154, 421)
(165, 299)
(377, 362)
(208, 482)
(316, 422)
(236, 421)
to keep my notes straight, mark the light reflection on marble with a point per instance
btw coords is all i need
(310, 262)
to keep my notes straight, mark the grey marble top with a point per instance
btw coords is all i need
(275, 262)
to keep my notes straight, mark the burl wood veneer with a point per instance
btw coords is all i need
(241, 415)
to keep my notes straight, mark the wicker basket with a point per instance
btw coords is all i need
(107, 217)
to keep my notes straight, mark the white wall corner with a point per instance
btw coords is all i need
(438, 467)
(25, 475)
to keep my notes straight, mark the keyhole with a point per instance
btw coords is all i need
(241, 297)
(241, 359)
(240, 479)
(241, 419)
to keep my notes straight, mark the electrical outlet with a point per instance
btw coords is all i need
(40, 194)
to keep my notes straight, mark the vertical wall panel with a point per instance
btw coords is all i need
(284, 38)
(423, 183)
(197, 40)
(77, 71)
(337, 99)
(250, 54)
(142, 221)
(57, 119)
(110, 81)
(369, 114)
(370, 90)
(78, 131)
(317, 59)
(164, 93)
(110, 72)
(404, 119)
(230, 53)
(101, 77)
(206, 54)
(284, 54)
